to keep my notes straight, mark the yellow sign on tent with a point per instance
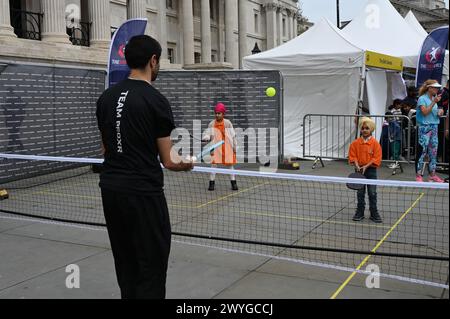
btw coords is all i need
(383, 61)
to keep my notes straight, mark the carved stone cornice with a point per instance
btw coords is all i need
(271, 6)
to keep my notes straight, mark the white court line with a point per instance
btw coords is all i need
(243, 252)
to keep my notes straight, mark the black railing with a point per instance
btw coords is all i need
(113, 30)
(80, 35)
(27, 25)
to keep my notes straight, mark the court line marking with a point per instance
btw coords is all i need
(325, 221)
(378, 245)
(231, 195)
(68, 195)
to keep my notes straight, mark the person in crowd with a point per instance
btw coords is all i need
(428, 120)
(395, 141)
(365, 155)
(221, 129)
(443, 146)
(412, 96)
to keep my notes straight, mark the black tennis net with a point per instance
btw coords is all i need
(295, 217)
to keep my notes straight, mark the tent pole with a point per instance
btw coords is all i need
(361, 96)
(361, 88)
(338, 14)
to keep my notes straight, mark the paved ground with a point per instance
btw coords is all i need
(35, 254)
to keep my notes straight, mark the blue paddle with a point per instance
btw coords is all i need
(207, 151)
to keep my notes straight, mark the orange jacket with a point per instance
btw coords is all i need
(225, 155)
(363, 152)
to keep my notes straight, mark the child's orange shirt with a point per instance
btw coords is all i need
(365, 151)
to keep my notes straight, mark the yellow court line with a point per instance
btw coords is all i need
(346, 282)
(67, 195)
(181, 206)
(230, 195)
(315, 220)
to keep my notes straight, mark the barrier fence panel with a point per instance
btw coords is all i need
(49, 110)
(330, 136)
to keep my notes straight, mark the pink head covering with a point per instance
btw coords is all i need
(220, 108)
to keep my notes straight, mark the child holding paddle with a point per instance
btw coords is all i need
(221, 129)
(365, 154)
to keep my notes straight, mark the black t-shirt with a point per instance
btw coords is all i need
(131, 116)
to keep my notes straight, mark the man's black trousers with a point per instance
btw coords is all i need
(140, 235)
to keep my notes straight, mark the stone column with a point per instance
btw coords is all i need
(162, 21)
(188, 32)
(271, 22)
(295, 25)
(279, 26)
(231, 49)
(221, 28)
(100, 16)
(54, 26)
(137, 9)
(6, 30)
(243, 49)
(206, 31)
(289, 25)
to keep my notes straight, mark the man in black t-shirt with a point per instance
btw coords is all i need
(135, 121)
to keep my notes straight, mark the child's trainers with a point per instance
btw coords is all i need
(419, 178)
(376, 218)
(358, 217)
(435, 179)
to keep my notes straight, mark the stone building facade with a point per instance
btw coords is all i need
(430, 13)
(193, 33)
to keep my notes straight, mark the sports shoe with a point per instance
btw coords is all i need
(419, 178)
(212, 185)
(435, 179)
(358, 217)
(234, 186)
(376, 218)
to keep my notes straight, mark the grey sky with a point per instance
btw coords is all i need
(315, 9)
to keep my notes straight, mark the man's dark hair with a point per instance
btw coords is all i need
(140, 50)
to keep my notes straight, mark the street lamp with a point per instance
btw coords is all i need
(338, 14)
(256, 49)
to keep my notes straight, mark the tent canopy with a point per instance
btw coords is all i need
(323, 47)
(415, 24)
(380, 28)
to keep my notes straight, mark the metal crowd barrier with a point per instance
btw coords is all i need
(330, 136)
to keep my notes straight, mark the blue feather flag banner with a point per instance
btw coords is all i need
(432, 55)
(118, 69)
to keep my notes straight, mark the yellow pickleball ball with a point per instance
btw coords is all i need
(271, 92)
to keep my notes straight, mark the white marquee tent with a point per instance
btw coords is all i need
(323, 72)
(380, 28)
(415, 24)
